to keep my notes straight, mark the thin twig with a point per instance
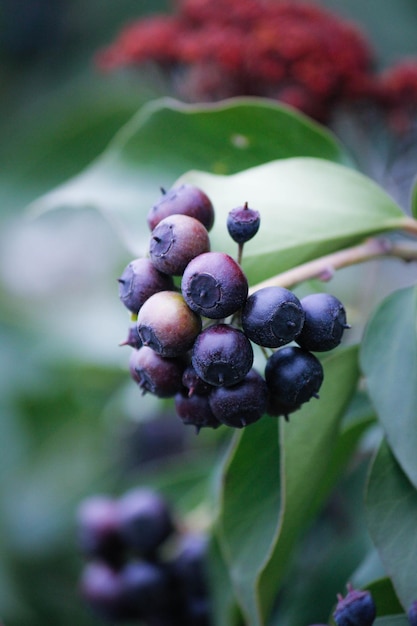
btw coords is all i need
(324, 267)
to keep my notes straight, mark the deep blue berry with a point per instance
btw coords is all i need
(102, 589)
(272, 317)
(222, 355)
(98, 533)
(214, 285)
(293, 375)
(242, 404)
(325, 322)
(412, 614)
(243, 223)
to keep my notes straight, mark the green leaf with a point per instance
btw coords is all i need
(167, 138)
(258, 527)
(309, 207)
(250, 506)
(389, 362)
(391, 512)
(307, 445)
(392, 620)
(385, 598)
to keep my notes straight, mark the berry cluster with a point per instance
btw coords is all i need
(195, 342)
(139, 566)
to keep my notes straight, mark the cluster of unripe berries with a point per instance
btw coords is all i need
(195, 323)
(141, 566)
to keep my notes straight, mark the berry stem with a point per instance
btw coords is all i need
(240, 253)
(324, 267)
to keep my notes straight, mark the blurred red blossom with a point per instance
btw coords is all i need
(293, 51)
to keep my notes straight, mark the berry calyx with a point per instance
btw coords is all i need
(186, 200)
(272, 317)
(243, 223)
(175, 241)
(214, 285)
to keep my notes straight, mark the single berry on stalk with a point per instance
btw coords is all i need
(140, 280)
(241, 404)
(293, 375)
(186, 200)
(222, 355)
(195, 410)
(214, 285)
(272, 317)
(243, 223)
(175, 241)
(145, 521)
(325, 322)
(357, 608)
(167, 325)
(161, 376)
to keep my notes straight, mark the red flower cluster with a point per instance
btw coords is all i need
(398, 95)
(293, 51)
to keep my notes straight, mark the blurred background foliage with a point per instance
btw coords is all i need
(70, 420)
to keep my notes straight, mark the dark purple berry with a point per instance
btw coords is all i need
(243, 223)
(189, 566)
(325, 322)
(102, 590)
(242, 404)
(132, 338)
(98, 529)
(146, 590)
(155, 374)
(214, 285)
(186, 200)
(272, 317)
(194, 383)
(167, 325)
(175, 241)
(222, 355)
(140, 280)
(275, 407)
(293, 375)
(145, 521)
(195, 410)
(357, 608)
(412, 613)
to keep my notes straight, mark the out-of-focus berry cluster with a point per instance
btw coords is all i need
(141, 565)
(195, 342)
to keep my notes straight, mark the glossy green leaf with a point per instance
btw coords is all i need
(167, 138)
(257, 526)
(389, 362)
(250, 507)
(307, 445)
(391, 511)
(309, 207)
